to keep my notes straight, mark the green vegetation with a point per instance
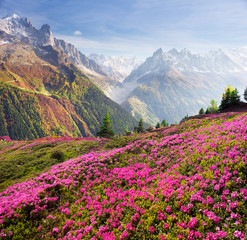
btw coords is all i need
(106, 129)
(157, 125)
(164, 123)
(229, 98)
(127, 132)
(201, 111)
(213, 108)
(140, 128)
(24, 113)
(22, 160)
(185, 181)
(245, 94)
(20, 114)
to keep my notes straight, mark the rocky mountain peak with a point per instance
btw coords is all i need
(46, 28)
(14, 21)
(14, 16)
(46, 35)
(22, 28)
(158, 52)
(173, 51)
(16, 29)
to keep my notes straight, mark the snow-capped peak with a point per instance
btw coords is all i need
(23, 29)
(14, 16)
(117, 67)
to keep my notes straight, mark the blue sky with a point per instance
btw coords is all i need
(138, 27)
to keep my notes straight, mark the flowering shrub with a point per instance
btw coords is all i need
(187, 181)
(21, 159)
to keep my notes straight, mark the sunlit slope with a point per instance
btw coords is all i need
(43, 93)
(186, 181)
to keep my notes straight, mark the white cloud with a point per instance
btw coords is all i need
(77, 33)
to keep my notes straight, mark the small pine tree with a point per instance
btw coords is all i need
(230, 97)
(245, 94)
(106, 129)
(157, 125)
(140, 128)
(164, 123)
(201, 111)
(235, 98)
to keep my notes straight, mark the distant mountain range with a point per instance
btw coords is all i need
(116, 67)
(170, 85)
(47, 86)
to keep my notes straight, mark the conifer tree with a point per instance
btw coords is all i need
(140, 128)
(106, 128)
(164, 123)
(135, 129)
(157, 125)
(235, 98)
(201, 111)
(230, 97)
(245, 94)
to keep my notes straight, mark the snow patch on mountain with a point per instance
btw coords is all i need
(117, 67)
(23, 29)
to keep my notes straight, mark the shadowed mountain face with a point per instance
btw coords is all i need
(170, 85)
(42, 92)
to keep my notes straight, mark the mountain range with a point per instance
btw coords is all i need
(167, 85)
(170, 85)
(116, 67)
(48, 87)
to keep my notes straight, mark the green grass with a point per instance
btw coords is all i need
(17, 165)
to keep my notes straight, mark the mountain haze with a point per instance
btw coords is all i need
(170, 85)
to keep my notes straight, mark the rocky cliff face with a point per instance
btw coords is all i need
(23, 29)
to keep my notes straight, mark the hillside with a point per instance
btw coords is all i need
(43, 94)
(185, 181)
(22, 30)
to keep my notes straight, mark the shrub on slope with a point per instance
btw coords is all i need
(185, 182)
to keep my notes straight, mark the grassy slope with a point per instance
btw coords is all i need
(183, 182)
(39, 98)
(20, 160)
